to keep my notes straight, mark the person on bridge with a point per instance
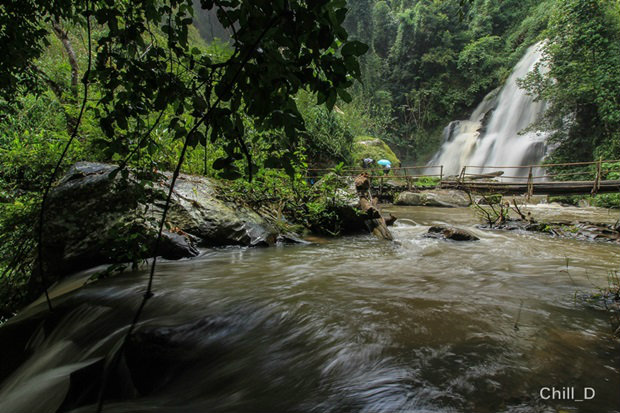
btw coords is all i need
(367, 162)
(386, 164)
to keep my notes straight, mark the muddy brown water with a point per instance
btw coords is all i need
(347, 325)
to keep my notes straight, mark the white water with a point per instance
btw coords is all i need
(503, 142)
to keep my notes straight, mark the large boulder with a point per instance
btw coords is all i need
(95, 215)
(346, 204)
(374, 148)
(434, 198)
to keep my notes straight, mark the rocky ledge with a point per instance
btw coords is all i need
(96, 215)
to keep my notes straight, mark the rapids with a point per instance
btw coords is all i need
(347, 324)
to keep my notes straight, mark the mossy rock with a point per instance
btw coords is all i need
(374, 148)
(96, 217)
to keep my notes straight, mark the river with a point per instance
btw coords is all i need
(347, 324)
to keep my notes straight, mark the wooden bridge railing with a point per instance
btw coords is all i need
(536, 175)
(378, 172)
(592, 173)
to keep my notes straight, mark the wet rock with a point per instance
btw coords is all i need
(348, 207)
(447, 232)
(96, 216)
(390, 220)
(585, 231)
(434, 198)
(176, 246)
(590, 231)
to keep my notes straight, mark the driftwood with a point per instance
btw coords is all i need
(373, 219)
(485, 175)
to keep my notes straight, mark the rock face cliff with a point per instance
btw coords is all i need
(96, 215)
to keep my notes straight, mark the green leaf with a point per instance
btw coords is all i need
(331, 100)
(354, 48)
(344, 95)
(199, 104)
(195, 138)
(221, 163)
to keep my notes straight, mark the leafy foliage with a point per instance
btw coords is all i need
(157, 94)
(432, 61)
(294, 203)
(579, 77)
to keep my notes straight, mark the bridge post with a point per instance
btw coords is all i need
(407, 179)
(530, 185)
(597, 179)
(440, 174)
(461, 177)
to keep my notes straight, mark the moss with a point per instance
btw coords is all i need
(426, 182)
(567, 199)
(369, 147)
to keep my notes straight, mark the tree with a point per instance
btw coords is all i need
(384, 29)
(279, 47)
(579, 77)
(146, 73)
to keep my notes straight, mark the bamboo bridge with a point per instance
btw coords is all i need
(585, 178)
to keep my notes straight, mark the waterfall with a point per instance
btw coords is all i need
(495, 134)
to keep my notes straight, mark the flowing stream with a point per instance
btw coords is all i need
(349, 324)
(496, 134)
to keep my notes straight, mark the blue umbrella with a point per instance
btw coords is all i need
(384, 162)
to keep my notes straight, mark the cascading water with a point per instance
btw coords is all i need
(495, 134)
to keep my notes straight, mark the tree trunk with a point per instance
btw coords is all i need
(75, 69)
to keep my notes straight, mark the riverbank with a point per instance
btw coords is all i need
(97, 214)
(584, 222)
(96, 218)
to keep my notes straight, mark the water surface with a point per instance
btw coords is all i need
(350, 324)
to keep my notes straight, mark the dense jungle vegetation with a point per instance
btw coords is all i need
(259, 90)
(430, 62)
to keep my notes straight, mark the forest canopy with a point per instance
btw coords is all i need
(432, 61)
